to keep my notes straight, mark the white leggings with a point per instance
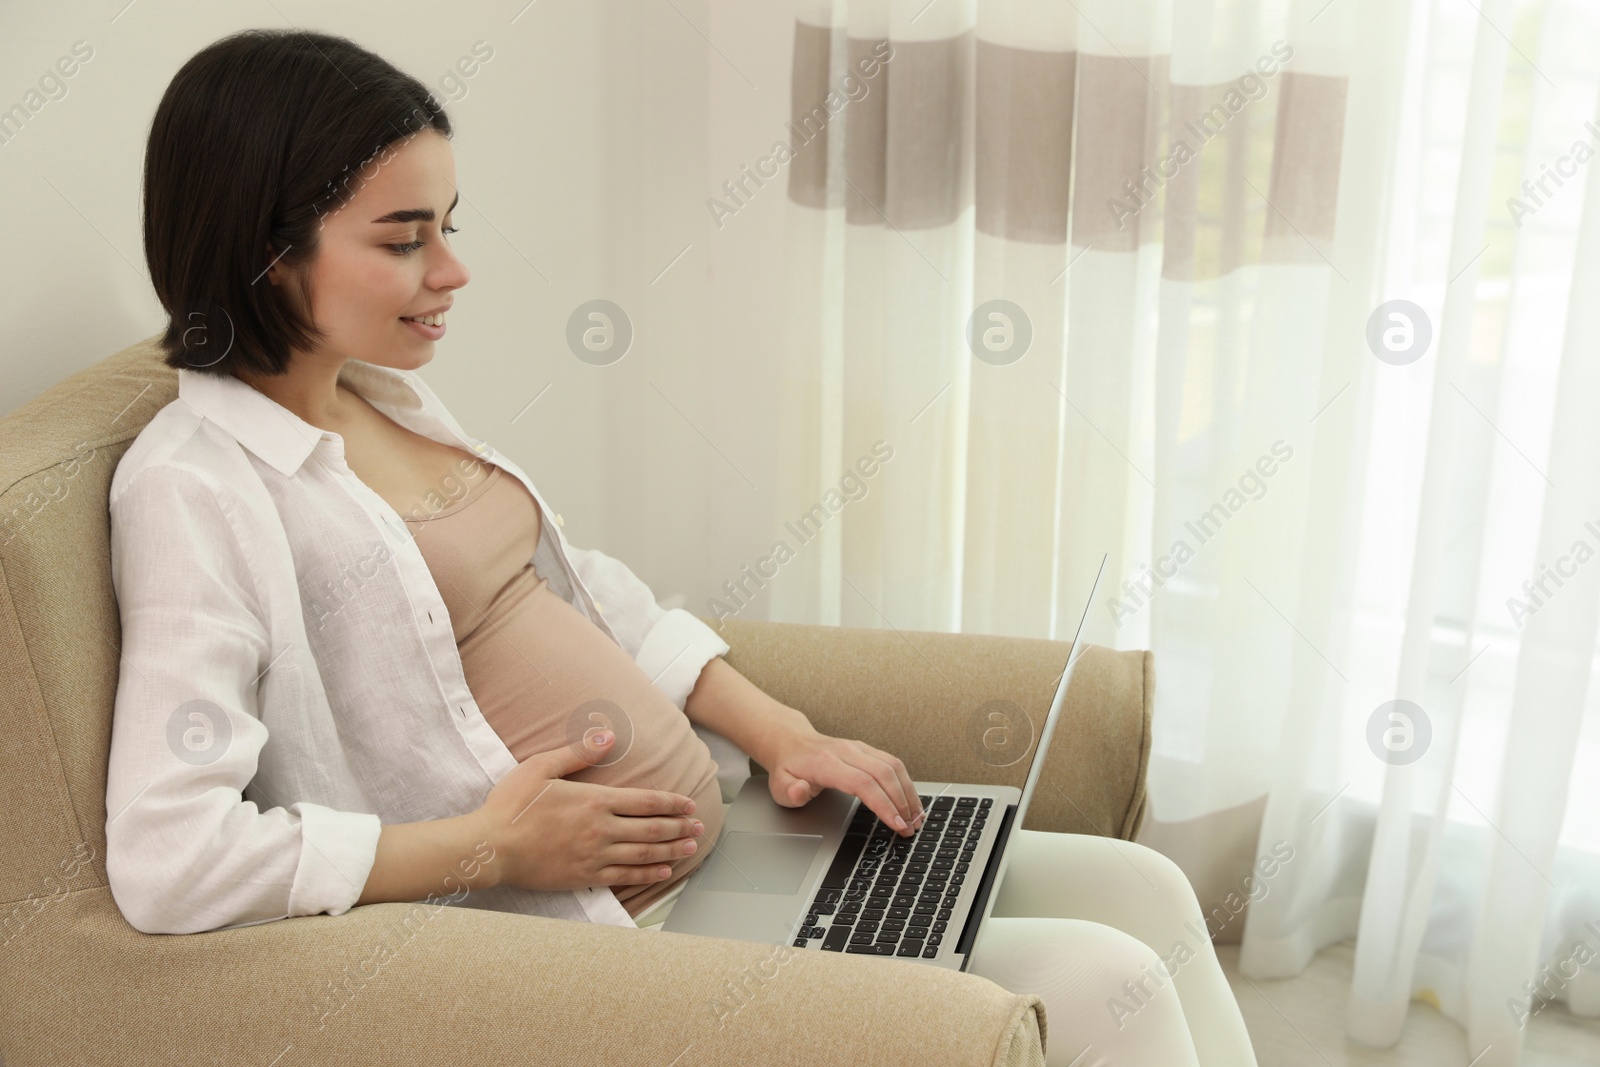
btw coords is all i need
(1109, 934)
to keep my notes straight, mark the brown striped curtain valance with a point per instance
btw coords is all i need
(1240, 171)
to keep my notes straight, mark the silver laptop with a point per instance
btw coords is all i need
(832, 877)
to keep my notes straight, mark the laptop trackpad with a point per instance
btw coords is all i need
(753, 862)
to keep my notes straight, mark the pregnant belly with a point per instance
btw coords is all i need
(544, 676)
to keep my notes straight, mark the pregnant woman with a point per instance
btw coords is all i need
(462, 706)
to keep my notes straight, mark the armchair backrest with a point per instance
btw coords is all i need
(59, 628)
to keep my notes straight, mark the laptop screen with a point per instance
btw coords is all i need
(1036, 768)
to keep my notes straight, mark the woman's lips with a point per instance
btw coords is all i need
(432, 333)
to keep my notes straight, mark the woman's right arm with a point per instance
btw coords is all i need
(184, 851)
(536, 830)
(443, 857)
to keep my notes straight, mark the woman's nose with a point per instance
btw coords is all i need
(450, 274)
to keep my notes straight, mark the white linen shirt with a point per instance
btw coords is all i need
(289, 680)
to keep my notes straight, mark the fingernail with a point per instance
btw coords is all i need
(688, 848)
(699, 827)
(603, 737)
(690, 807)
(899, 823)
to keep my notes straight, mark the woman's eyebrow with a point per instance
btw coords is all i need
(417, 214)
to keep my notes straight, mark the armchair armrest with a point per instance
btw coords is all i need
(969, 708)
(415, 983)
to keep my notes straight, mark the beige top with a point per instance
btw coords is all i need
(543, 674)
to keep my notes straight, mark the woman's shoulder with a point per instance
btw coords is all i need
(183, 479)
(177, 438)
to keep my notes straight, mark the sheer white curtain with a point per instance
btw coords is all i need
(1072, 335)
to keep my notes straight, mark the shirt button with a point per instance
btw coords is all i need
(598, 608)
(560, 521)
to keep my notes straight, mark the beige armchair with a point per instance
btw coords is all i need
(409, 983)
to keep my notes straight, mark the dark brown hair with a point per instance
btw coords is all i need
(259, 136)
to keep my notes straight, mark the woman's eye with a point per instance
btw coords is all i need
(411, 246)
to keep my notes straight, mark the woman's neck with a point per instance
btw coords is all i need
(311, 390)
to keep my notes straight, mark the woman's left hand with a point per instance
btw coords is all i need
(805, 761)
(800, 760)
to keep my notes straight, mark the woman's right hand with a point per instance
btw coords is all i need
(549, 833)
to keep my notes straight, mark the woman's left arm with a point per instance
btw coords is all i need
(800, 761)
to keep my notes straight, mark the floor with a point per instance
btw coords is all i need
(1299, 1021)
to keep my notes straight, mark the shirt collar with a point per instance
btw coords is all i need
(271, 431)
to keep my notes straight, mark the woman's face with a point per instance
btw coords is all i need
(383, 257)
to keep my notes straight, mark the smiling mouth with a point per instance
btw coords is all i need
(426, 320)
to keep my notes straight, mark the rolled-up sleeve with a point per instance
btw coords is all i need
(671, 646)
(185, 852)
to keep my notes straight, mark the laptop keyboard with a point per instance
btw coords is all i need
(888, 895)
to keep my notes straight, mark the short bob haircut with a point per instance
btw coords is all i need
(260, 135)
